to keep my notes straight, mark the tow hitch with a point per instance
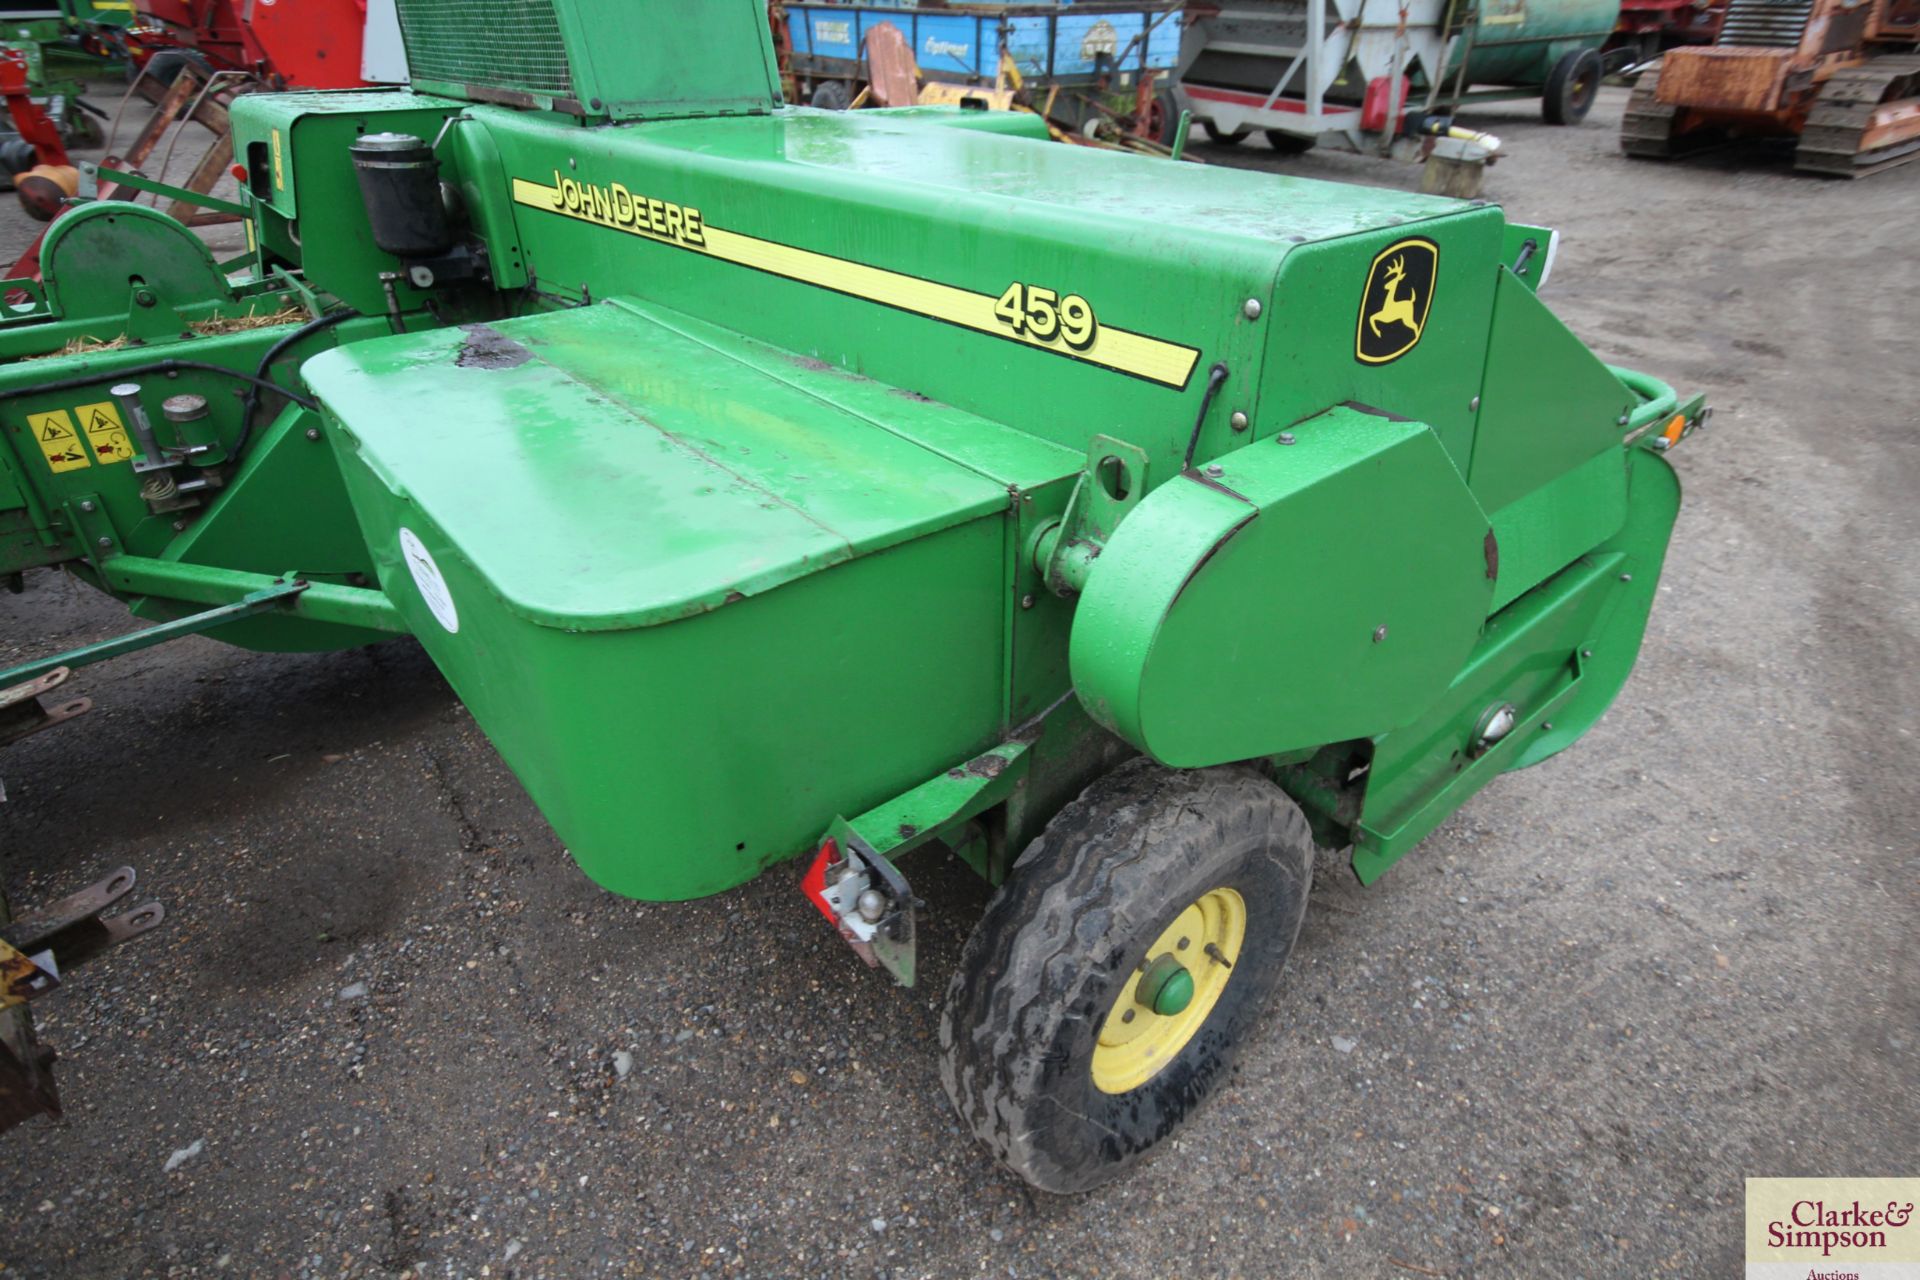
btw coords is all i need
(866, 898)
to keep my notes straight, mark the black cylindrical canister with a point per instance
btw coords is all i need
(400, 184)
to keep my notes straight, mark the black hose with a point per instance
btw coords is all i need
(251, 404)
(1215, 377)
(156, 366)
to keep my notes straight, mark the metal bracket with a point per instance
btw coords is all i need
(33, 953)
(1114, 481)
(21, 712)
(72, 931)
(867, 899)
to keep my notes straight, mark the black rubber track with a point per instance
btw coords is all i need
(1060, 937)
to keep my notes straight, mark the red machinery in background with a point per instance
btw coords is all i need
(300, 44)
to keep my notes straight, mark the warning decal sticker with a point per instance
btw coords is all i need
(105, 431)
(428, 578)
(57, 439)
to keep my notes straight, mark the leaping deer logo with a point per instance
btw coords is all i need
(1394, 307)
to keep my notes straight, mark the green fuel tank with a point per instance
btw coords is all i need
(1517, 42)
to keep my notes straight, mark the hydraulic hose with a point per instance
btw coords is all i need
(155, 366)
(251, 404)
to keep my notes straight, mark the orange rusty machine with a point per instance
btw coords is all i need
(1843, 76)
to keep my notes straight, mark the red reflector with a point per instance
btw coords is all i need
(239, 172)
(814, 883)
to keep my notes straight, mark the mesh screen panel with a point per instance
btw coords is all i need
(500, 44)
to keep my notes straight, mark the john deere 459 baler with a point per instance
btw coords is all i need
(778, 483)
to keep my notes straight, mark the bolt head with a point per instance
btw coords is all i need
(1626, 577)
(1380, 633)
(1238, 421)
(89, 505)
(872, 904)
(313, 433)
(1215, 469)
(103, 542)
(1252, 309)
(1286, 437)
(1473, 405)
(1026, 601)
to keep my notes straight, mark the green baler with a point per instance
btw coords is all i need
(772, 482)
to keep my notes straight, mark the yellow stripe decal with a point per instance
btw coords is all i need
(1166, 363)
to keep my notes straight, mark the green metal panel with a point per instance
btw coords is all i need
(678, 760)
(1559, 654)
(1547, 404)
(1299, 594)
(655, 475)
(618, 59)
(978, 212)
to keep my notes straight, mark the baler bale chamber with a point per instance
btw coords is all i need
(778, 483)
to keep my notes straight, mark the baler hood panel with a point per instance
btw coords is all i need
(605, 468)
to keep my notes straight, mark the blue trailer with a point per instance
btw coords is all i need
(1085, 49)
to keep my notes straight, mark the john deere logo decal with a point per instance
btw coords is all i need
(1398, 296)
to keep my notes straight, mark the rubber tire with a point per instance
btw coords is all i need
(832, 95)
(1571, 88)
(1220, 139)
(1289, 144)
(1061, 936)
(1165, 118)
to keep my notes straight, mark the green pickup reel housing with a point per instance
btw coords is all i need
(773, 482)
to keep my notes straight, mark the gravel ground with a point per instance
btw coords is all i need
(399, 1033)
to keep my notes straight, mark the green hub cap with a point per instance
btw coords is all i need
(1166, 987)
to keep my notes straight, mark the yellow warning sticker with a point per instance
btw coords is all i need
(58, 440)
(105, 431)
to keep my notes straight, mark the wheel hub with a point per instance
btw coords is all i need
(1166, 1001)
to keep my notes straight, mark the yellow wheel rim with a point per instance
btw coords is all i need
(1136, 1042)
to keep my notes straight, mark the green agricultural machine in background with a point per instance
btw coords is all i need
(773, 482)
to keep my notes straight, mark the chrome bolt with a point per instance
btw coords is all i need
(1215, 469)
(1473, 405)
(871, 904)
(1545, 725)
(313, 433)
(1586, 653)
(1626, 577)
(179, 526)
(1238, 421)
(1622, 419)
(1286, 437)
(1252, 309)
(88, 506)
(1379, 633)
(103, 542)
(1026, 602)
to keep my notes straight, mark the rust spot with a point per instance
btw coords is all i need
(911, 395)
(987, 766)
(488, 348)
(17, 977)
(733, 597)
(1491, 548)
(908, 831)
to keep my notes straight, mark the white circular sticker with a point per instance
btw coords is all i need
(426, 576)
